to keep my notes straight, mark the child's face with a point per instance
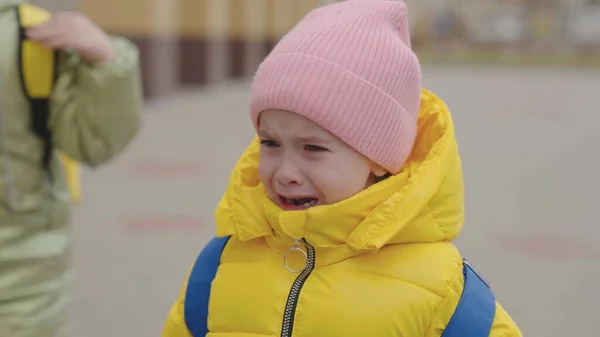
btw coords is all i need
(303, 165)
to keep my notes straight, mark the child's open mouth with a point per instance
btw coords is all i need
(297, 203)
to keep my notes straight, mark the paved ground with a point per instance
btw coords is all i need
(530, 151)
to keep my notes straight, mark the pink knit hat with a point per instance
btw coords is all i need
(349, 68)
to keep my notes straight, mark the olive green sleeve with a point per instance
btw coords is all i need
(96, 108)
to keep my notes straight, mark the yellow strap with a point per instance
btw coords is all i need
(73, 176)
(38, 66)
(37, 61)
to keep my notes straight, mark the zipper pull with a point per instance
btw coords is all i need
(295, 248)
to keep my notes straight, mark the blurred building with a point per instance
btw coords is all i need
(540, 31)
(189, 42)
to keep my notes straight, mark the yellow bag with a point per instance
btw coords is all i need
(38, 66)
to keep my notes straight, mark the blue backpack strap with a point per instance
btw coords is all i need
(198, 289)
(476, 309)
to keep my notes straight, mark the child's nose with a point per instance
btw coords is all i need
(288, 173)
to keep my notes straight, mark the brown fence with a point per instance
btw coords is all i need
(191, 42)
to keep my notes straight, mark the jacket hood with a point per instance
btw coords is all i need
(423, 203)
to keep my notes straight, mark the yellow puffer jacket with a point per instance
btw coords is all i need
(384, 263)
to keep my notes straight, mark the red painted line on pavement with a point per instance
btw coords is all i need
(546, 246)
(168, 168)
(163, 223)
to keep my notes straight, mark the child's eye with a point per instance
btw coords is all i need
(314, 148)
(269, 143)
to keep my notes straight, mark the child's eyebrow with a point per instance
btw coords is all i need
(264, 133)
(312, 139)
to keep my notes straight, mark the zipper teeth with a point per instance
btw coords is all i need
(292, 300)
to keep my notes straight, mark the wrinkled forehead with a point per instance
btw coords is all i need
(282, 122)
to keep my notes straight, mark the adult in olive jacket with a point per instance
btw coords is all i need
(94, 115)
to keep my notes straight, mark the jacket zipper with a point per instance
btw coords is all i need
(292, 300)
